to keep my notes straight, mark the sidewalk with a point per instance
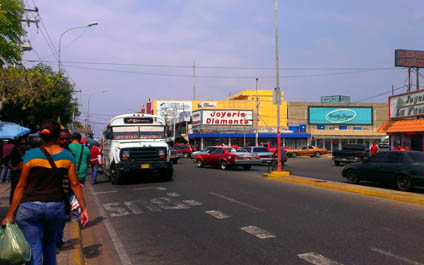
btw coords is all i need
(72, 253)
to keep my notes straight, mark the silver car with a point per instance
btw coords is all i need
(264, 154)
(205, 150)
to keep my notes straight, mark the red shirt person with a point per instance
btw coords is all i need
(95, 161)
(374, 149)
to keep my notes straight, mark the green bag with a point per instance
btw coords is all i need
(14, 249)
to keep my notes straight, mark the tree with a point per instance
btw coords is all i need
(30, 96)
(11, 31)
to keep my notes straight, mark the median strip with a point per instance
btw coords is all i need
(369, 191)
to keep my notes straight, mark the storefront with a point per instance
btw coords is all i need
(405, 126)
(334, 124)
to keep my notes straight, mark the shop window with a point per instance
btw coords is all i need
(335, 145)
(327, 144)
(320, 143)
(314, 142)
(352, 141)
(360, 141)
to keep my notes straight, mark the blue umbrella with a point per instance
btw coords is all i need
(10, 130)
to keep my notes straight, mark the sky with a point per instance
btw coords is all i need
(144, 48)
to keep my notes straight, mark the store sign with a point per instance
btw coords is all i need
(208, 104)
(139, 120)
(407, 105)
(333, 99)
(223, 117)
(409, 58)
(340, 115)
(169, 109)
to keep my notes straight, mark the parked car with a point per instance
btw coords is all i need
(384, 146)
(205, 150)
(186, 149)
(226, 157)
(307, 150)
(405, 169)
(350, 153)
(175, 155)
(264, 154)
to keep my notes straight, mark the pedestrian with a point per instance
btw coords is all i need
(14, 160)
(374, 149)
(6, 168)
(82, 156)
(38, 198)
(63, 141)
(95, 161)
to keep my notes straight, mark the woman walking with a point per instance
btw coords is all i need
(38, 198)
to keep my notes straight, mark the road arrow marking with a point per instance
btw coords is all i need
(218, 214)
(258, 232)
(192, 202)
(317, 259)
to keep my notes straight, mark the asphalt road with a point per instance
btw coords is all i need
(210, 216)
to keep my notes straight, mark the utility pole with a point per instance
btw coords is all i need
(257, 114)
(409, 79)
(279, 165)
(194, 80)
(175, 115)
(418, 78)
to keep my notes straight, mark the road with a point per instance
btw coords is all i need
(210, 216)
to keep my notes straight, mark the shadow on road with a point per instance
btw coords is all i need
(92, 251)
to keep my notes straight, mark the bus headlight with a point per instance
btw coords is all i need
(161, 152)
(125, 155)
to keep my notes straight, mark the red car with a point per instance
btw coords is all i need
(186, 149)
(226, 157)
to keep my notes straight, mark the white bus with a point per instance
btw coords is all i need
(136, 143)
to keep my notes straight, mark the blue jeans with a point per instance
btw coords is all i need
(94, 168)
(40, 222)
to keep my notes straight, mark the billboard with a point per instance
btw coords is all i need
(333, 99)
(409, 58)
(225, 117)
(340, 115)
(169, 109)
(407, 105)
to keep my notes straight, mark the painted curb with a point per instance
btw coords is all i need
(77, 252)
(369, 191)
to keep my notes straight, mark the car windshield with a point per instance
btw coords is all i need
(416, 156)
(260, 149)
(138, 132)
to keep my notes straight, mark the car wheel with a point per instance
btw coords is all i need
(224, 165)
(404, 183)
(337, 163)
(317, 154)
(185, 155)
(352, 177)
(247, 167)
(199, 163)
(115, 175)
(293, 155)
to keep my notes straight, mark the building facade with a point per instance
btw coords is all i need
(333, 124)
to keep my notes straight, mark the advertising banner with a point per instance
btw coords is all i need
(206, 104)
(167, 108)
(407, 105)
(409, 58)
(226, 117)
(340, 115)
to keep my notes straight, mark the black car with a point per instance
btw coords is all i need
(405, 169)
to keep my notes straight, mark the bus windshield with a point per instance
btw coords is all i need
(138, 132)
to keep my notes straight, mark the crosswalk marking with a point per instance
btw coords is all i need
(317, 259)
(218, 214)
(150, 188)
(192, 202)
(258, 232)
(387, 253)
(173, 194)
(105, 192)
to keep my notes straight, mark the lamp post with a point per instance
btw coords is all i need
(60, 40)
(88, 105)
(279, 165)
(257, 114)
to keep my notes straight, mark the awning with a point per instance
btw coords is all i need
(402, 126)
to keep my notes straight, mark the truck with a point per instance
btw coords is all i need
(136, 143)
(350, 153)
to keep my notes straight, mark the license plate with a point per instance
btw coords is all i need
(172, 156)
(145, 166)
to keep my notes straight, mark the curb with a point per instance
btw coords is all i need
(77, 252)
(369, 191)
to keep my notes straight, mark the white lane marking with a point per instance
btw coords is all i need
(169, 204)
(258, 232)
(236, 201)
(387, 253)
(131, 205)
(123, 256)
(150, 206)
(150, 188)
(173, 194)
(218, 214)
(105, 192)
(114, 207)
(317, 259)
(192, 202)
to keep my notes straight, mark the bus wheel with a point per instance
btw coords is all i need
(115, 175)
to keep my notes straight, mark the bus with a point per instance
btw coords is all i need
(136, 143)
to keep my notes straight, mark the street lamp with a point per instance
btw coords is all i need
(88, 105)
(278, 93)
(63, 33)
